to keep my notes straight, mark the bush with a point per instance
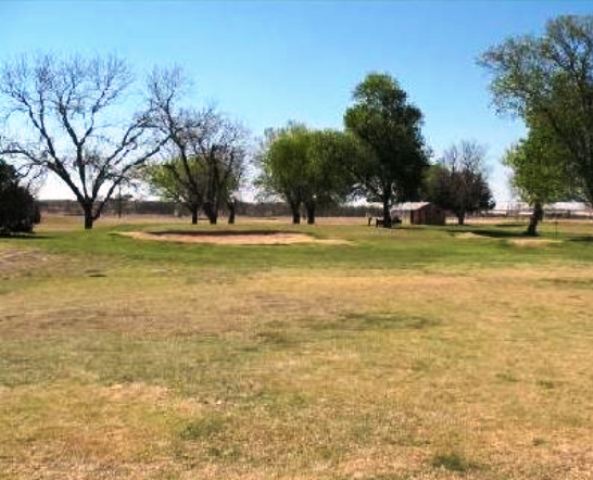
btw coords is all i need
(18, 209)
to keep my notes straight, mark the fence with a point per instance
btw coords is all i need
(150, 207)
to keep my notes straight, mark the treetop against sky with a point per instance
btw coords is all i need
(267, 62)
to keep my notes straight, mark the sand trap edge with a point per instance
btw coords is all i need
(237, 238)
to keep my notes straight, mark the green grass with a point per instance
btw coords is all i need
(413, 353)
(375, 248)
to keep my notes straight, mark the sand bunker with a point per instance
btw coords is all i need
(233, 237)
(533, 242)
(470, 236)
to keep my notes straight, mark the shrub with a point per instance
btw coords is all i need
(18, 209)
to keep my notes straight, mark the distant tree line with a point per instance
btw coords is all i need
(134, 206)
(70, 117)
(380, 156)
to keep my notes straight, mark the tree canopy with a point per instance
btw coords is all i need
(548, 81)
(179, 182)
(305, 167)
(388, 127)
(540, 167)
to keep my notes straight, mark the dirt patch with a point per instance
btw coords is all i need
(12, 260)
(259, 237)
(533, 242)
(470, 236)
(520, 242)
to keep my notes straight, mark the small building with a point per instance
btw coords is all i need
(419, 213)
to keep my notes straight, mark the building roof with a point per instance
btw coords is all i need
(409, 206)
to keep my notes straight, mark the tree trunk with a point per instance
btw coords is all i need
(536, 216)
(88, 217)
(194, 215)
(232, 212)
(211, 212)
(461, 218)
(386, 214)
(296, 213)
(310, 213)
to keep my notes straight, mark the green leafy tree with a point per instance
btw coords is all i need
(327, 178)
(179, 181)
(550, 78)
(18, 209)
(458, 182)
(282, 161)
(198, 183)
(305, 167)
(540, 172)
(388, 128)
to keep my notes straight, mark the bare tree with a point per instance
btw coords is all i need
(68, 116)
(223, 147)
(206, 151)
(179, 177)
(458, 182)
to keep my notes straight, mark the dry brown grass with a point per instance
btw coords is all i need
(15, 259)
(56, 222)
(114, 369)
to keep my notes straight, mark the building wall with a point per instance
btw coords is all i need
(427, 215)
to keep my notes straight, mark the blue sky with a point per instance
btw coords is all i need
(268, 62)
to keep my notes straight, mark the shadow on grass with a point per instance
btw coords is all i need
(488, 232)
(377, 321)
(511, 225)
(222, 233)
(24, 236)
(582, 239)
(454, 462)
